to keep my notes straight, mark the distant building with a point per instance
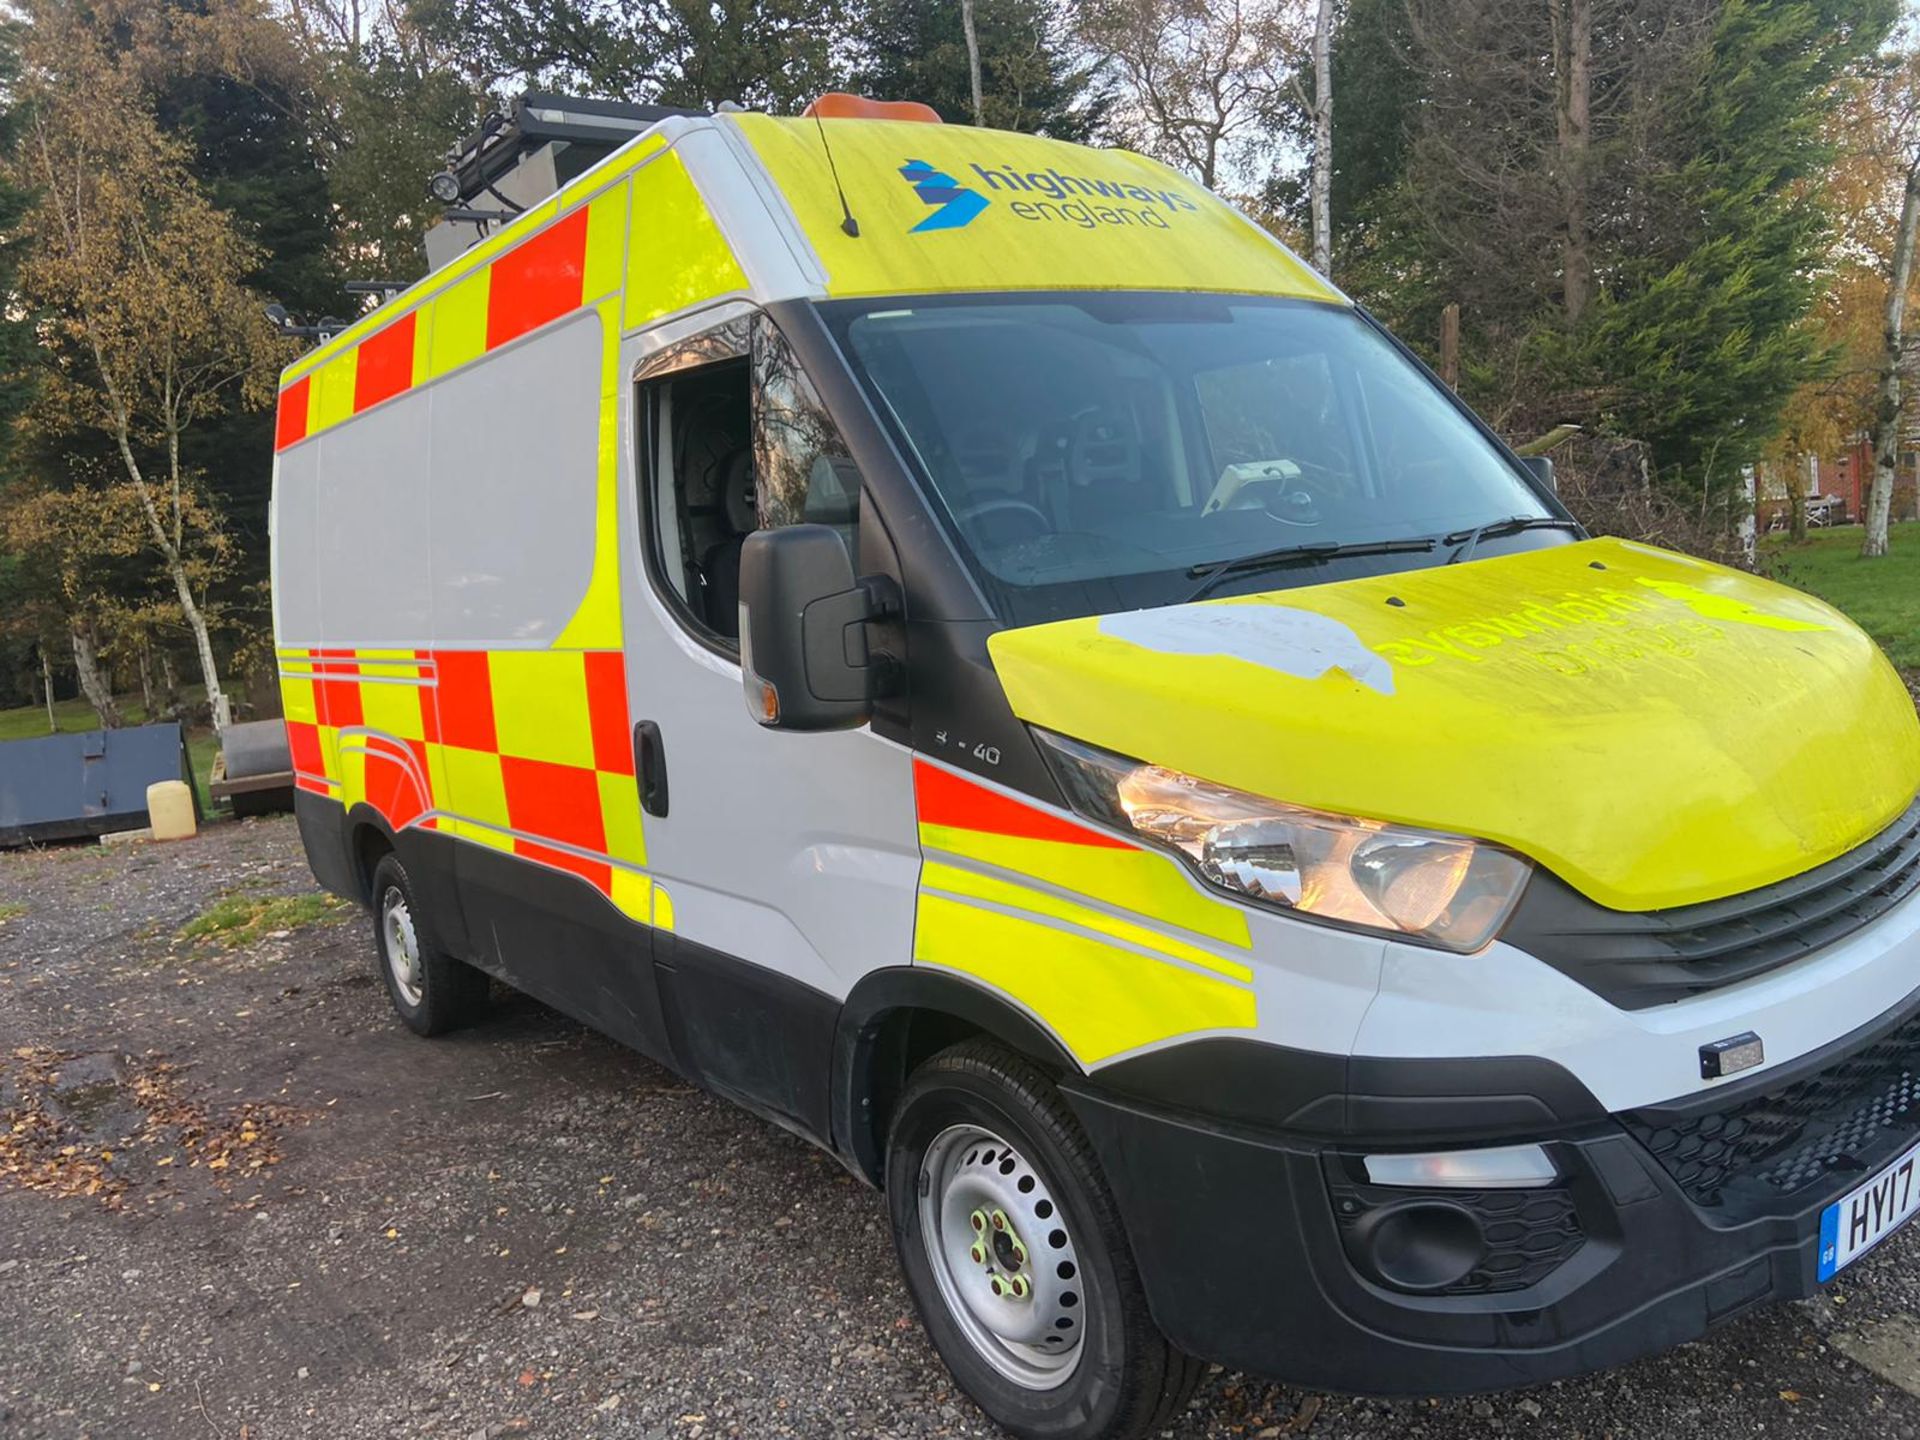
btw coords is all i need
(1838, 492)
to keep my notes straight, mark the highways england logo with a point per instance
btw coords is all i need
(957, 204)
(1048, 196)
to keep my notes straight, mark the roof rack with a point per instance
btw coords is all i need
(522, 155)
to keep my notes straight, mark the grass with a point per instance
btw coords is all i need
(1881, 596)
(11, 910)
(30, 723)
(236, 920)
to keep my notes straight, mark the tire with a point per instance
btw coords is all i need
(980, 1132)
(431, 991)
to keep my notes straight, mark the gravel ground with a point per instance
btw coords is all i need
(237, 1199)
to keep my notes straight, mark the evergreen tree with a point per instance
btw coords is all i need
(18, 354)
(255, 149)
(765, 54)
(22, 627)
(916, 50)
(1700, 333)
(1686, 203)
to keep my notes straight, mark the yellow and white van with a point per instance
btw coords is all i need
(963, 644)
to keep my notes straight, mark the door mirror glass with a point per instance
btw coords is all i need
(803, 631)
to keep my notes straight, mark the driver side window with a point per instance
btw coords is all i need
(734, 439)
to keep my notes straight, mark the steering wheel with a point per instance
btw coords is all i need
(970, 516)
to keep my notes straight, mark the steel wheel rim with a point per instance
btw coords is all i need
(400, 944)
(1003, 1257)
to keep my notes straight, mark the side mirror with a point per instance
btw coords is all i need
(1541, 467)
(803, 631)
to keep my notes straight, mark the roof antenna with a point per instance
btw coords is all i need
(848, 224)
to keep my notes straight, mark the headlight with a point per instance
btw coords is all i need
(1443, 889)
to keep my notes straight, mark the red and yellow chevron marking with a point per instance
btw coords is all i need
(527, 751)
(563, 255)
(1110, 944)
(952, 802)
(569, 262)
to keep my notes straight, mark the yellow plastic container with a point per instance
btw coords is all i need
(170, 810)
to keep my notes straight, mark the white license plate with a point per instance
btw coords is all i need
(1858, 1221)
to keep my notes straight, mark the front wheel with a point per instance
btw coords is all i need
(1015, 1257)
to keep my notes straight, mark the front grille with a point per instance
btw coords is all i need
(1757, 1153)
(1639, 959)
(1529, 1233)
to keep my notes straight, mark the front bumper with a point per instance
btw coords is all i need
(1254, 1247)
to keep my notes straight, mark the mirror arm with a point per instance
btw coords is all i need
(886, 675)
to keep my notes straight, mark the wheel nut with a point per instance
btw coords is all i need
(1000, 1220)
(1019, 1253)
(997, 1285)
(977, 1254)
(978, 1220)
(1020, 1287)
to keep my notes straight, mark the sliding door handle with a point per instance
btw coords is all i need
(650, 767)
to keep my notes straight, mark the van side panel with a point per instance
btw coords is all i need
(449, 628)
(452, 638)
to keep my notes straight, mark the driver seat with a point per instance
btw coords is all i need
(720, 566)
(1101, 472)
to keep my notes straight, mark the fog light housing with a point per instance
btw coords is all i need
(1420, 1245)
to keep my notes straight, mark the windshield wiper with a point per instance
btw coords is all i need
(1210, 575)
(1510, 525)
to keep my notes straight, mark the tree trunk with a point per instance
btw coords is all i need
(973, 61)
(168, 545)
(217, 704)
(146, 676)
(170, 687)
(1797, 497)
(93, 684)
(1450, 345)
(1323, 138)
(46, 677)
(1886, 415)
(1573, 43)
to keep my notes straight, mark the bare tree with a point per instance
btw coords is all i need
(973, 61)
(1323, 138)
(1198, 78)
(140, 278)
(1886, 413)
(1573, 105)
(1881, 156)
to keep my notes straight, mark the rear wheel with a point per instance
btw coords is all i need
(1015, 1257)
(431, 991)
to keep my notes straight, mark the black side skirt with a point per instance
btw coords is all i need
(740, 1030)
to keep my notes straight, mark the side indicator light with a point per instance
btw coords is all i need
(1731, 1055)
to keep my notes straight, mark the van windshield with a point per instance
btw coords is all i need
(1096, 452)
